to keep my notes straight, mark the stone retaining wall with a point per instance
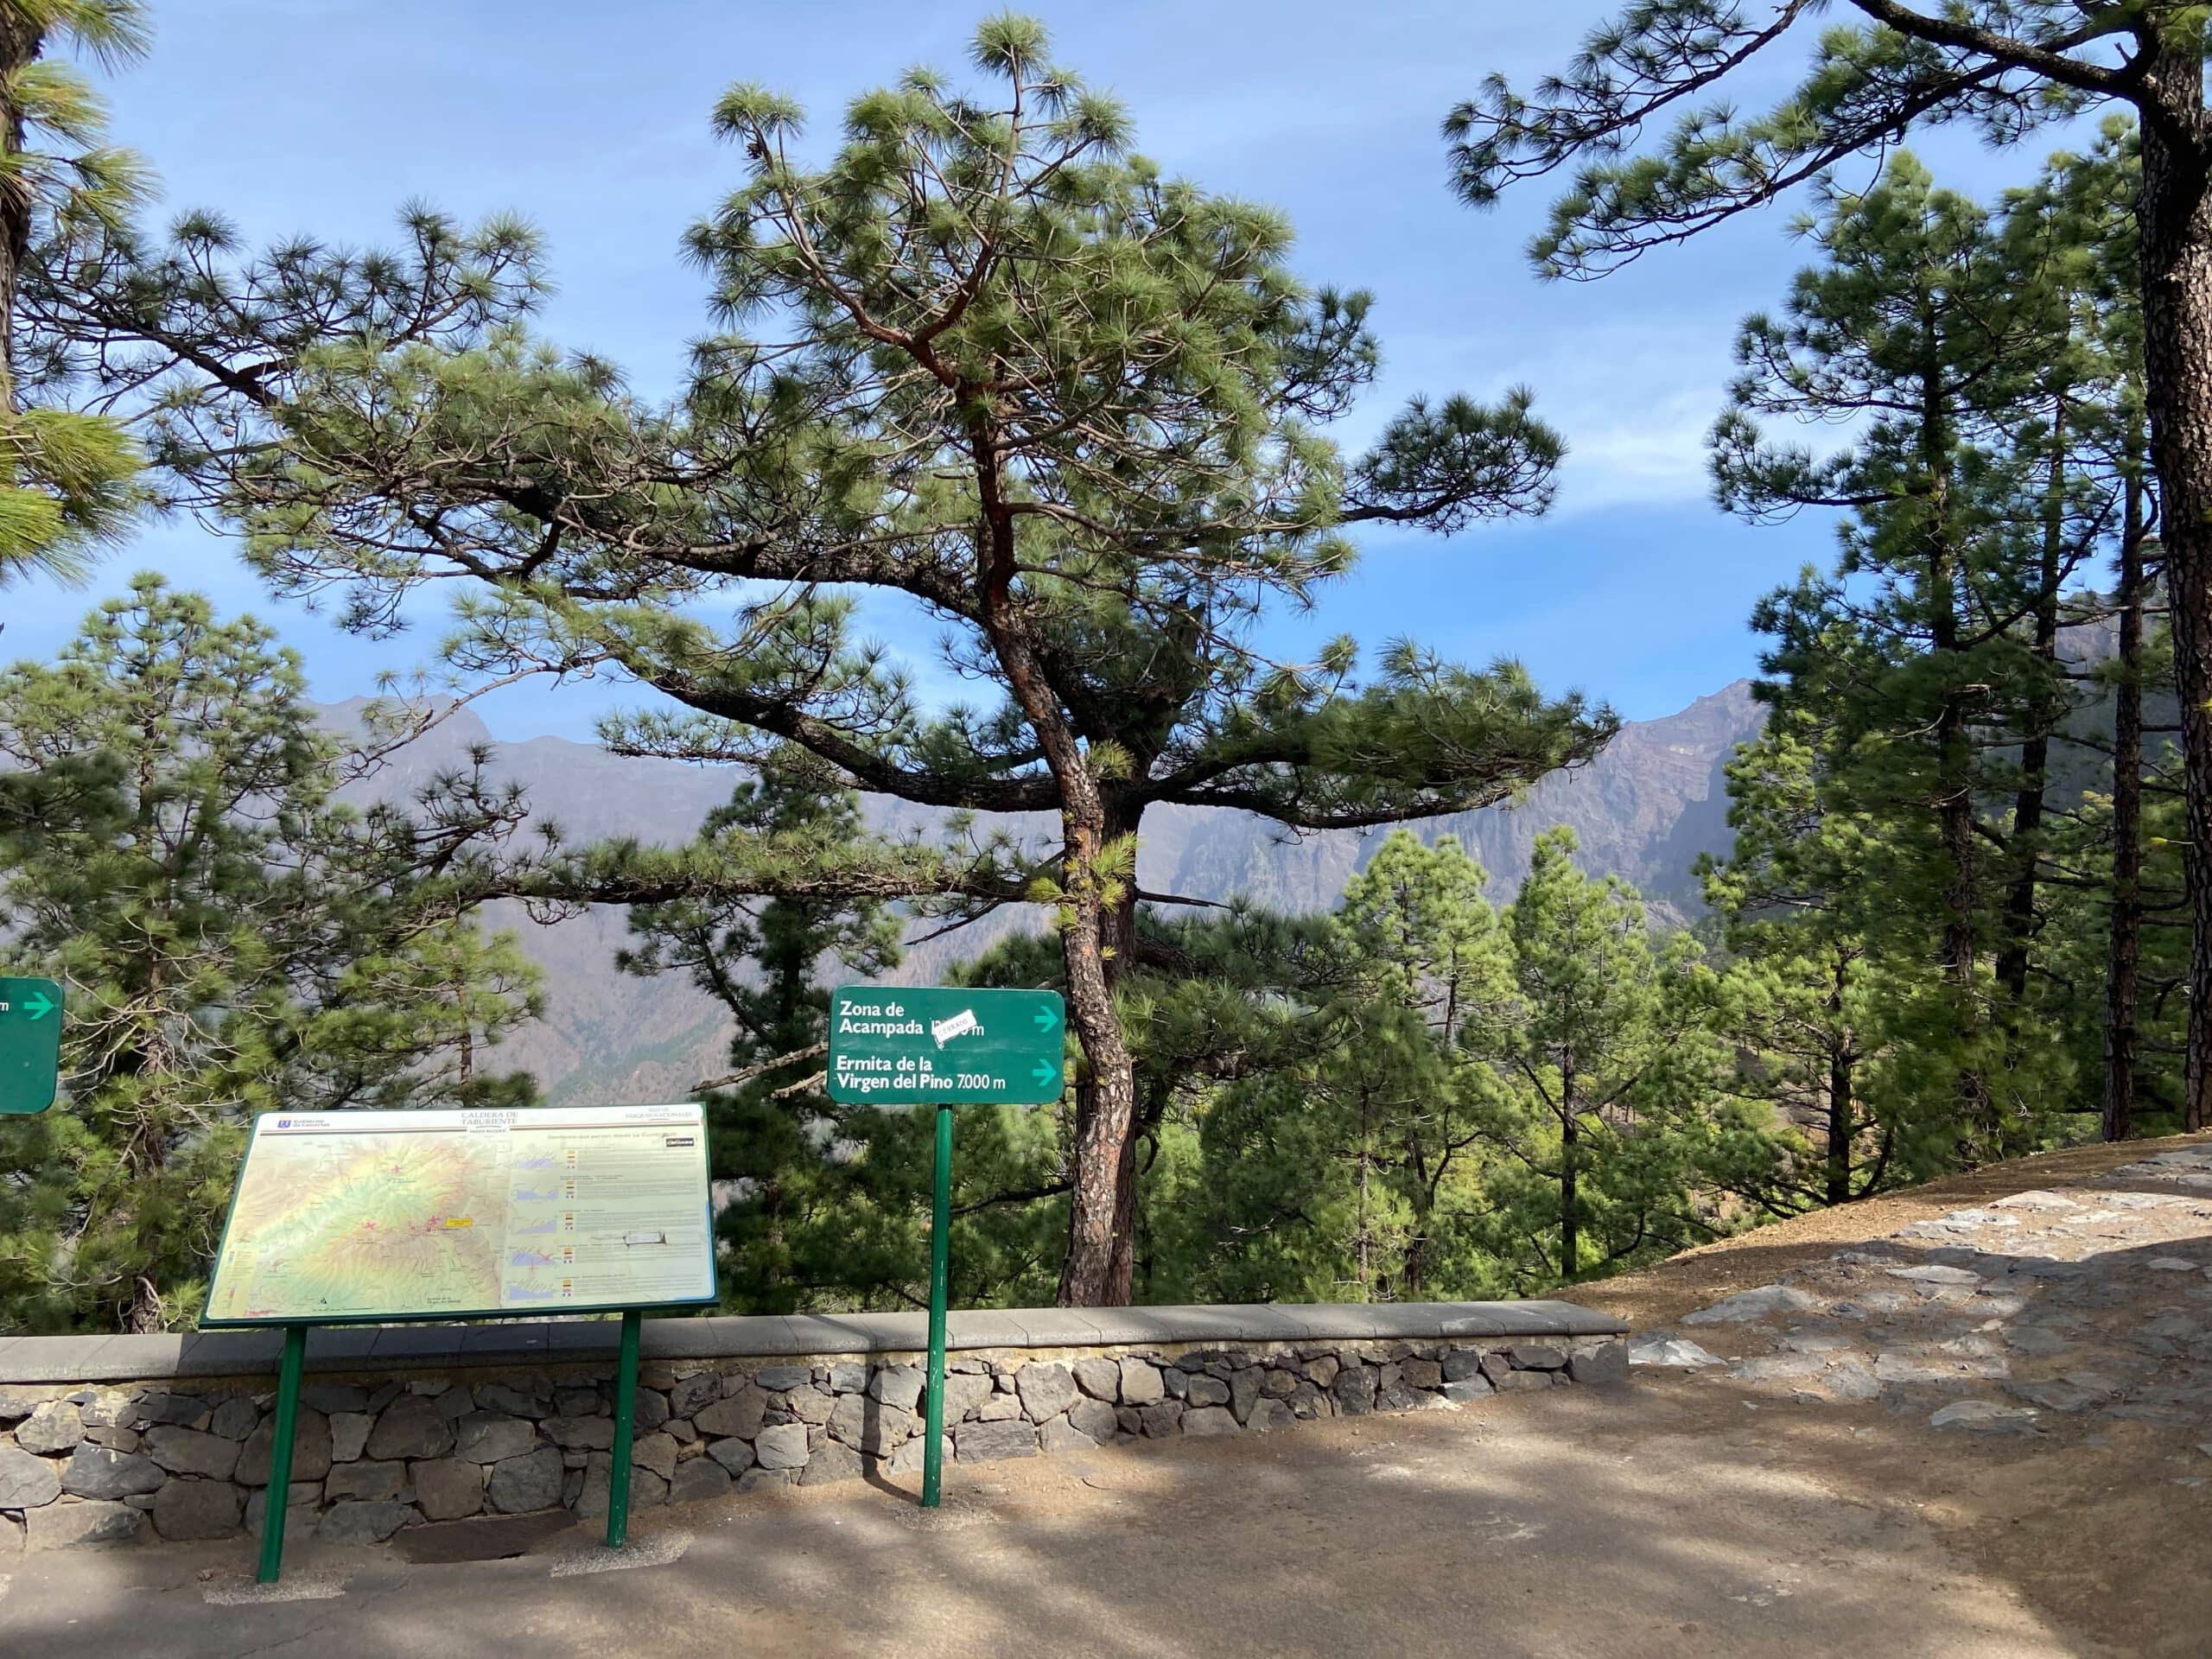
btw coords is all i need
(114, 1454)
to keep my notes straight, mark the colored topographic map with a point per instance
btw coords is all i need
(334, 1227)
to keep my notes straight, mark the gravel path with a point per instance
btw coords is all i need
(1965, 1423)
(2090, 1303)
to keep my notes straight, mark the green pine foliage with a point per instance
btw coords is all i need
(68, 479)
(232, 938)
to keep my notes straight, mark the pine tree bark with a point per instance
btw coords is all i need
(1842, 1088)
(21, 40)
(2028, 801)
(1959, 949)
(2174, 214)
(2123, 952)
(1570, 1151)
(1107, 1104)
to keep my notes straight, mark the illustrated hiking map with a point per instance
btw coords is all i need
(369, 1216)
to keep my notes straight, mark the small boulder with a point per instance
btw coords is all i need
(310, 1450)
(1094, 1419)
(25, 1482)
(531, 1481)
(447, 1489)
(492, 1437)
(238, 1417)
(585, 1434)
(1099, 1378)
(699, 1478)
(97, 1472)
(734, 1455)
(197, 1509)
(1605, 1364)
(782, 1446)
(694, 1393)
(77, 1525)
(1045, 1391)
(898, 1385)
(365, 1481)
(833, 1462)
(741, 1414)
(1160, 1420)
(656, 1452)
(988, 1442)
(1140, 1383)
(190, 1452)
(53, 1429)
(411, 1427)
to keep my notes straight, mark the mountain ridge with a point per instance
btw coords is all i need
(1644, 809)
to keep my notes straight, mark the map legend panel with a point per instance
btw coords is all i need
(367, 1216)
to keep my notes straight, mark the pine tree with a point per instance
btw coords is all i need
(1070, 408)
(1929, 660)
(231, 940)
(1353, 1172)
(784, 1141)
(1607, 1044)
(2006, 70)
(1808, 1003)
(67, 482)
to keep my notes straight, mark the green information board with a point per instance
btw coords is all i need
(30, 1044)
(923, 1045)
(364, 1216)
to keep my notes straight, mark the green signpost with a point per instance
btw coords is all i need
(921, 1046)
(30, 1044)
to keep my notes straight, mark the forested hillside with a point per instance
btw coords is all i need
(1646, 811)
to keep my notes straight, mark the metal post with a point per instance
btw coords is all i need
(940, 1259)
(626, 1416)
(279, 1496)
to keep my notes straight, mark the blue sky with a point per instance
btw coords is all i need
(323, 115)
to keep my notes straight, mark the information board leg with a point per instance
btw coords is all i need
(625, 1418)
(940, 1259)
(278, 1498)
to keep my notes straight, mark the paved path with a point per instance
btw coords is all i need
(1796, 1496)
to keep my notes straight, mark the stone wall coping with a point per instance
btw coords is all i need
(401, 1347)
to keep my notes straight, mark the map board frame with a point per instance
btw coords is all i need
(482, 1121)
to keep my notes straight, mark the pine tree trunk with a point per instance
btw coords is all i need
(1093, 1272)
(1570, 1137)
(2123, 955)
(21, 39)
(2175, 217)
(2034, 747)
(1841, 1090)
(1959, 949)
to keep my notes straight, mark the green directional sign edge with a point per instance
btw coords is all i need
(30, 1044)
(927, 1046)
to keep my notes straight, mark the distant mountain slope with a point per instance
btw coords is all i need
(1644, 809)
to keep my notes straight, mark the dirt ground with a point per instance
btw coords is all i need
(1689, 1515)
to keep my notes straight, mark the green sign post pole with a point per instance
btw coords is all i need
(940, 1274)
(279, 1496)
(625, 1419)
(938, 1047)
(30, 1044)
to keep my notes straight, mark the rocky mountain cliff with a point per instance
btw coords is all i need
(1644, 810)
